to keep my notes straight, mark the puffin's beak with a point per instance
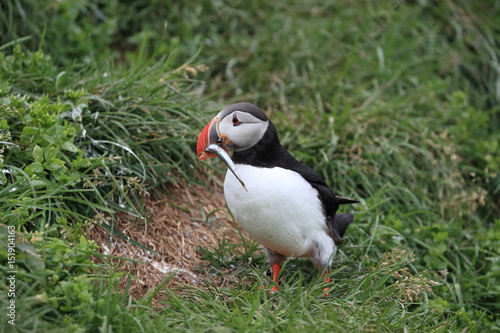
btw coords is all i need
(207, 137)
(211, 145)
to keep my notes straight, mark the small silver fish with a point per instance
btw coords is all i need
(223, 155)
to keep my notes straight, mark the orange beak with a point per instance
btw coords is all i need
(207, 136)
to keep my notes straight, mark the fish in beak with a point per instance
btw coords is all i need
(210, 145)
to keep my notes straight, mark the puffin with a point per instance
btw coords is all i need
(283, 204)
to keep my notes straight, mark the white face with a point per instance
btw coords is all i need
(242, 130)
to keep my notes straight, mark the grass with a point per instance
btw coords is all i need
(395, 103)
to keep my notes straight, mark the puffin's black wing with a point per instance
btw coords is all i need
(337, 223)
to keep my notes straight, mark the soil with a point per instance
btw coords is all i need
(185, 218)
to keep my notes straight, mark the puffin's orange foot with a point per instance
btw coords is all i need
(325, 290)
(274, 289)
(275, 270)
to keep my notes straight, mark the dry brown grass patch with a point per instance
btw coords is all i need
(185, 218)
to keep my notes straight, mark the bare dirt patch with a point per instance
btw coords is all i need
(185, 218)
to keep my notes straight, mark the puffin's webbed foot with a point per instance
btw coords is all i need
(275, 259)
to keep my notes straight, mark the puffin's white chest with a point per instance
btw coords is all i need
(281, 210)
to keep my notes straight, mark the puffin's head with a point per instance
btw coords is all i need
(237, 127)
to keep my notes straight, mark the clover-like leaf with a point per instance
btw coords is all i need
(38, 154)
(69, 147)
(34, 168)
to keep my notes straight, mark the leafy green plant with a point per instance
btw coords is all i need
(54, 287)
(87, 145)
(71, 158)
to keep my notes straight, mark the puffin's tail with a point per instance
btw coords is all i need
(344, 200)
(342, 221)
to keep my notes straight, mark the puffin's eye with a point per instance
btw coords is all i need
(236, 120)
